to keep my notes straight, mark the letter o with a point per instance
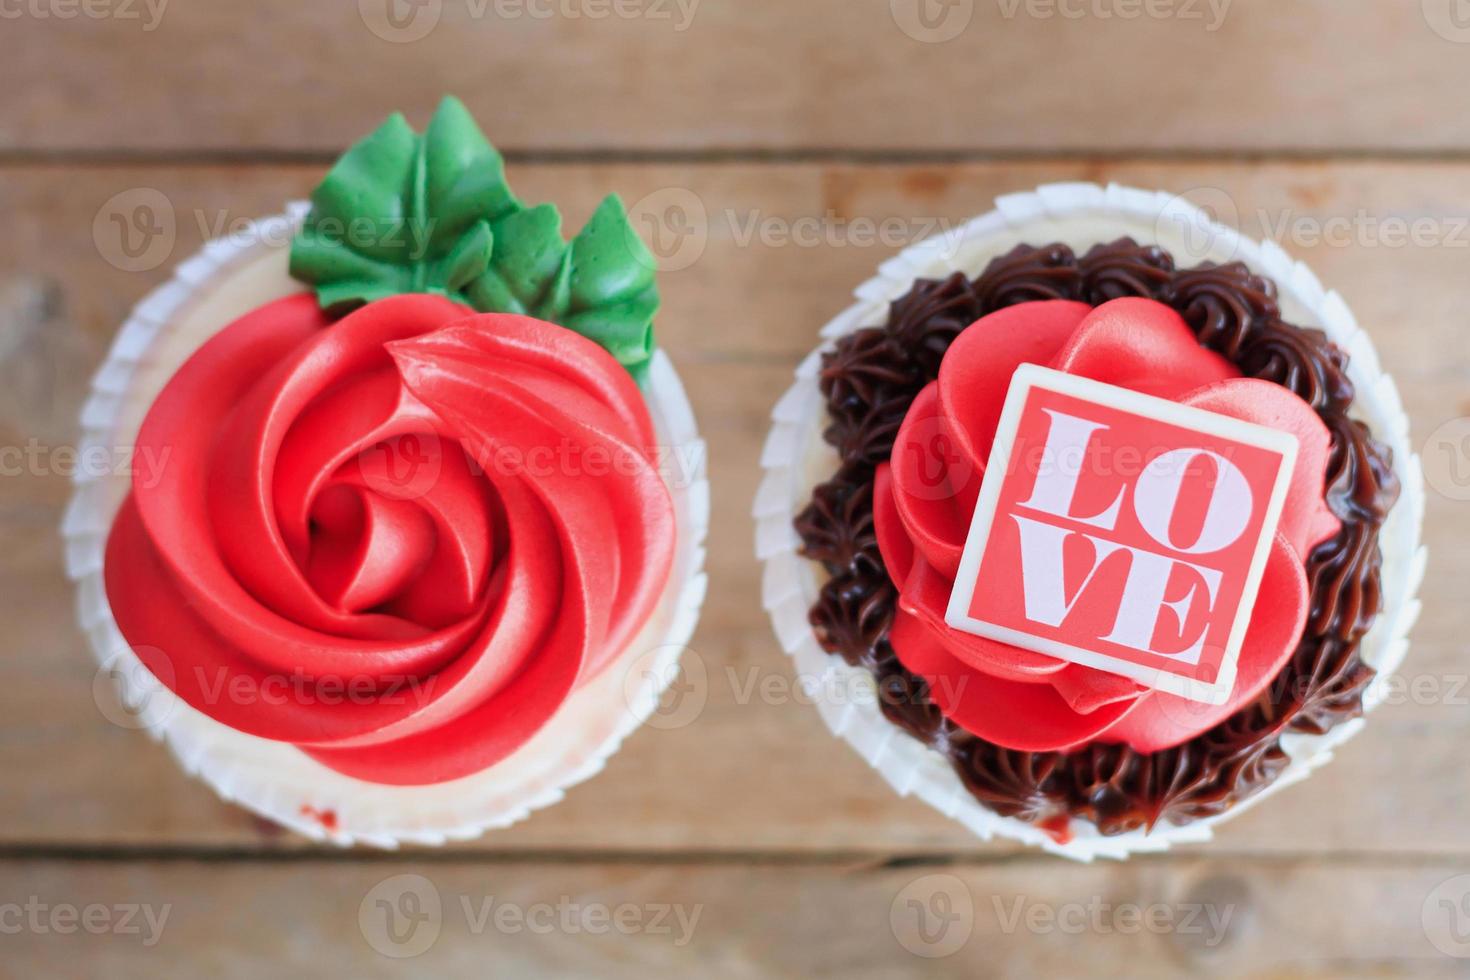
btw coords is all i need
(1157, 497)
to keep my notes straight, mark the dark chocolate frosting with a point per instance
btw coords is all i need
(873, 375)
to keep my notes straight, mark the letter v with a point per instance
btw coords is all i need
(1043, 579)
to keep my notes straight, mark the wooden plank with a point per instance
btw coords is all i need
(759, 256)
(747, 773)
(686, 75)
(1028, 918)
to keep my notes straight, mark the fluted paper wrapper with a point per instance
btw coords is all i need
(275, 779)
(795, 460)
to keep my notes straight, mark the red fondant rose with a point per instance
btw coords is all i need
(1024, 700)
(398, 541)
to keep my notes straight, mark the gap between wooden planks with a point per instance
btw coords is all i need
(278, 76)
(1025, 918)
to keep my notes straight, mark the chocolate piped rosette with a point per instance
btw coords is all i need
(412, 537)
(1092, 522)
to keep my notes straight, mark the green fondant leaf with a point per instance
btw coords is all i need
(400, 212)
(464, 176)
(622, 327)
(609, 261)
(315, 258)
(362, 199)
(556, 301)
(351, 293)
(468, 258)
(529, 251)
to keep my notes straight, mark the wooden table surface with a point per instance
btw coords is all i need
(804, 141)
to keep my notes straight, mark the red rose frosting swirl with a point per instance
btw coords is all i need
(398, 541)
(1027, 701)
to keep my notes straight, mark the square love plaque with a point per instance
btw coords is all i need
(1122, 532)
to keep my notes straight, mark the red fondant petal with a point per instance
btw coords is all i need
(1143, 345)
(893, 540)
(926, 596)
(368, 549)
(976, 372)
(1013, 714)
(1306, 520)
(1166, 720)
(934, 484)
(1086, 689)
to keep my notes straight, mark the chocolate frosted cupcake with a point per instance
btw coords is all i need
(413, 537)
(1115, 543)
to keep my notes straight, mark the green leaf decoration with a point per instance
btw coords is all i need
(402, 212)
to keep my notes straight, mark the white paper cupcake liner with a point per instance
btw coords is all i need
(795, 459)
(275, 779)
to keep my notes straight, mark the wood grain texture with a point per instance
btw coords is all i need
(773, 153)
(753, 772)
(683, 76)
(1014, 919)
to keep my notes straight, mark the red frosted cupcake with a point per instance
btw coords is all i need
(1113, 546)
(413, 535)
